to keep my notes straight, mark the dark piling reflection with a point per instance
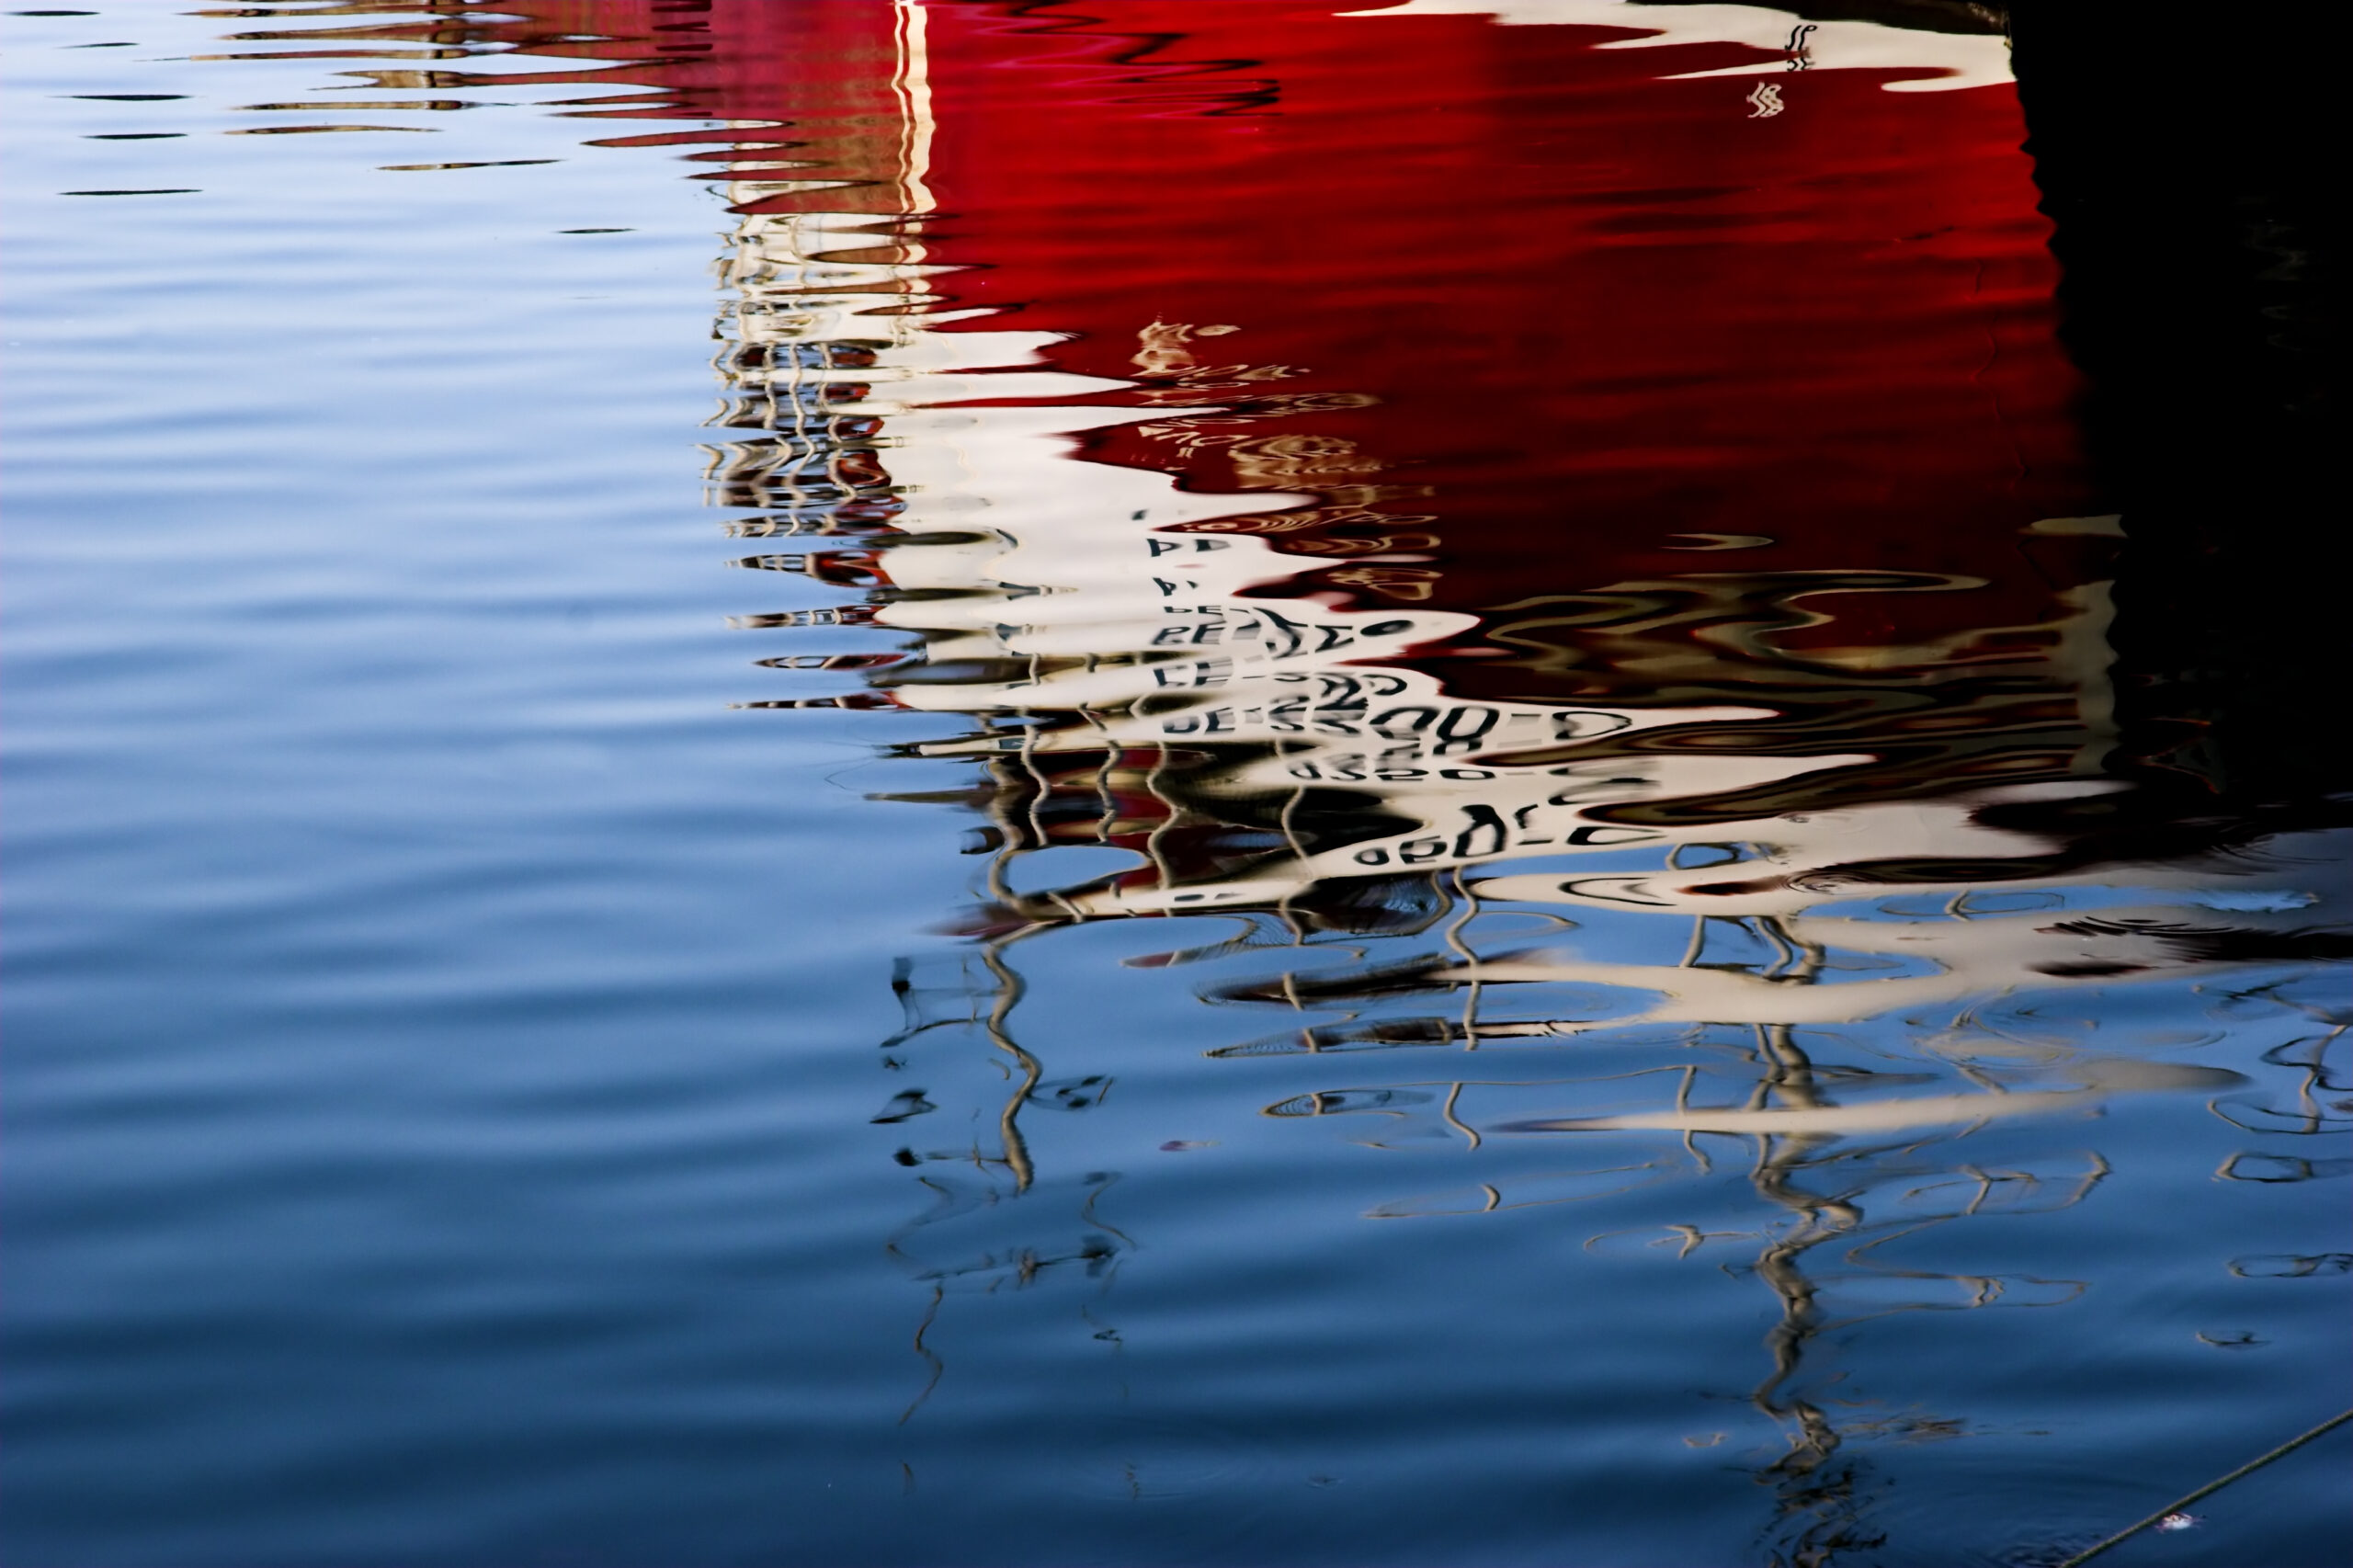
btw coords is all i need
(2203, 286)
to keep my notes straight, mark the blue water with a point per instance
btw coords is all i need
(445, 1123)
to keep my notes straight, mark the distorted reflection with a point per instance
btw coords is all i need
(1658, 631)
(1597, 590)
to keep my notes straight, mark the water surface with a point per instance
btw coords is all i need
(969, 782)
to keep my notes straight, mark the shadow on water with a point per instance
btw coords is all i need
(1578, 533)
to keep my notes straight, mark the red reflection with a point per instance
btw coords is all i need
(1520, 313)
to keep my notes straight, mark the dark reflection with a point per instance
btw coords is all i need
(1613, 583)
(2204, 293)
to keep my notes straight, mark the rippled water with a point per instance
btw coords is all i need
(1175, 782)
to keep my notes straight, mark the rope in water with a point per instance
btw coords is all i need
(2209, 1489)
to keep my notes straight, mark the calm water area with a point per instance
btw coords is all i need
(1021, 782)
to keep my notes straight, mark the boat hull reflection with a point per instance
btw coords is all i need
(1579, 508)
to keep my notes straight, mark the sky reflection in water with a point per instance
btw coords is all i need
(1553, 539)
